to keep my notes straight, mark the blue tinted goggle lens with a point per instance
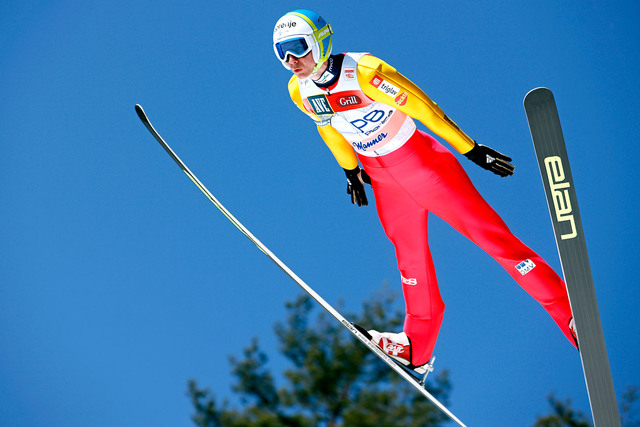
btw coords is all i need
(295, 47)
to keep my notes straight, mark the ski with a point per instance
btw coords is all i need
(551, 152)
(413, 381)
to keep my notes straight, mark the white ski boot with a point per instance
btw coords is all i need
(574, 334)
(398, 347)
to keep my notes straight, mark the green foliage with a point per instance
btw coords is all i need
(333, 380)
(564, 416)
(628, 410)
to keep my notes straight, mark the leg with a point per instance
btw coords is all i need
(405, 223)
(459, 203)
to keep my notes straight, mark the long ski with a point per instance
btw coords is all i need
(413, 381)
(551, 152)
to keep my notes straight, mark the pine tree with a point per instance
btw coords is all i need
(332, 380)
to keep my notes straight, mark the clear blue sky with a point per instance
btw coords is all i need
(119, 281)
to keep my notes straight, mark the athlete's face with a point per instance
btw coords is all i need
(303, 67)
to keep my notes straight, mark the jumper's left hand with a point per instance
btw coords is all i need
(491, 160)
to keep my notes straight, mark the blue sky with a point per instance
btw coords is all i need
(120, 281)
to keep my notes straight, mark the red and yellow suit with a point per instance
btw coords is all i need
(366, 117)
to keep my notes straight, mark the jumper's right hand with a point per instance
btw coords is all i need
(356, 179)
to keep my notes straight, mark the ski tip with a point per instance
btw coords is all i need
(538, 89)
(140, 112)
(538, 94)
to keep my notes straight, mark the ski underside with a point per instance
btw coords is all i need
(551, 152)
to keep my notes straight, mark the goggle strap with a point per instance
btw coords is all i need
(322, 33)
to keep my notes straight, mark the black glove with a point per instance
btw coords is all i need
(356, 178)
(491, 160)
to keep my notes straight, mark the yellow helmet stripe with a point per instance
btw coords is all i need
(309, 21)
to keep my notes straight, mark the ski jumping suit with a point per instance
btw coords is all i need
(366, 107)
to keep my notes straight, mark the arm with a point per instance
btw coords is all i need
(381, 82)
(410, 99)
(341, 149)
(346, 157)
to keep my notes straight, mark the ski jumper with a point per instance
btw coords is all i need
(364, 114)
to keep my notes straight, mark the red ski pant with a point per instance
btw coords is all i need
(421, 177)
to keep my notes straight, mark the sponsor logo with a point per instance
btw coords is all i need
(525, 266)
(304, 83)
(401, 99)
(372, 116)
(389, 89)
(384, 86)
(350, 73)
(363, 146)
(285, 25)
(345, 101)
(326, 76)
(323, 33)
(559, 187)
(320, 104)
(451, 122)
(410, 281)
(393, 348)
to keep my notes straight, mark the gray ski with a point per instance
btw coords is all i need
(559, 187)
(356, 331)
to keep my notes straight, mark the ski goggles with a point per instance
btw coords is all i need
(297, 47)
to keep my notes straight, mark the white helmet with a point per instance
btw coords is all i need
(299, 32)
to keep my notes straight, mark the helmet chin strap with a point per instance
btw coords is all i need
(319, 35)
(317, 67)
